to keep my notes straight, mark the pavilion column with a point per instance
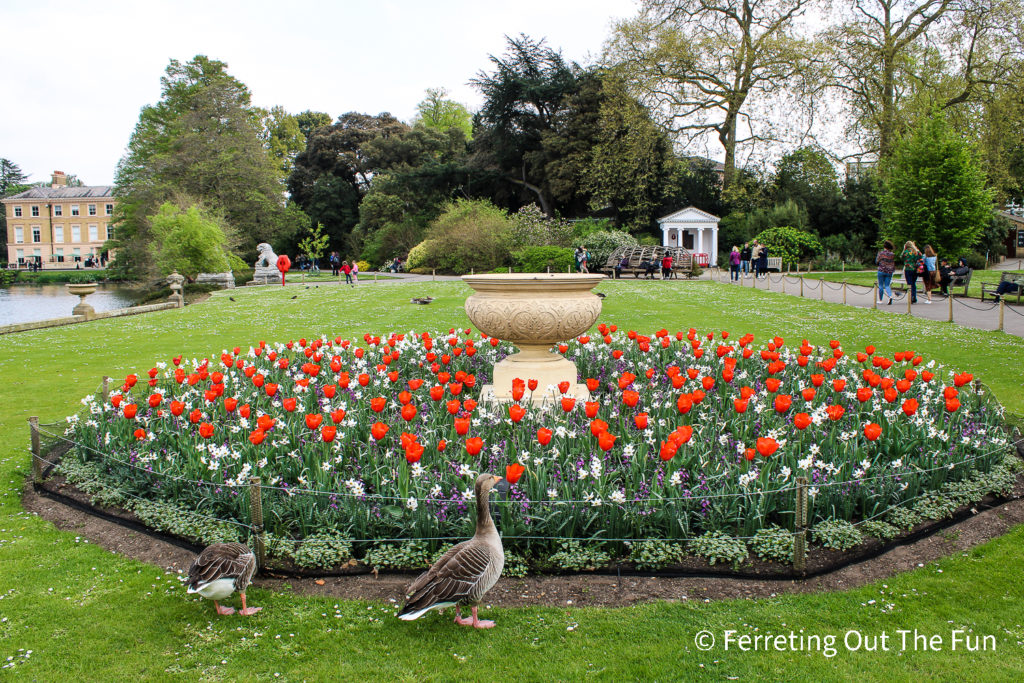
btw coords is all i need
(714, 246)
(700, 241)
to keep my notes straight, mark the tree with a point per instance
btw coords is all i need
(707, 66)
(200, 140)
(522, 98)
(11, 177)
(895, 60)
(189, 241)
(790, 244)
(933, 191)
(315, 243)
(807, 177)
(281, 136)
(434, 111)
(309, 121)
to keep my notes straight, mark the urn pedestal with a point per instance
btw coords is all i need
(82, 290)
(534, 312)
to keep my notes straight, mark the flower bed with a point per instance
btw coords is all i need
(690, 444)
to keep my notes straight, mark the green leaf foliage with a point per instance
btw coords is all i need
(467, 236)
(934, 192)
(791, 244)
(541, 259)
(187, 241)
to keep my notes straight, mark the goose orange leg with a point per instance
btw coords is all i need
(460, 620)
(248, 611)
(223, 610)
(475, 622)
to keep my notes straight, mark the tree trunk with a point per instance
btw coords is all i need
(545, 206)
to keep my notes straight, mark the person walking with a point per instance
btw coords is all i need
(335, 264)
(913, 266)
(886, 262)
(734, 264)
(762, 260)
(355, 272)
(930, 274)
(347, 270)
(745, 254)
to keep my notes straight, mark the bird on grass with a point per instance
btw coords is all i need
(296, 296)
(423, 300)
(231, 298)
(466, 572)
(220, 570)
(600, 295)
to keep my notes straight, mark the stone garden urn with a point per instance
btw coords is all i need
(534, 311)
(82, 290)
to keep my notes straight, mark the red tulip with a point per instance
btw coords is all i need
(740, 405)
(363, 379)
(630, 398)
(469, 405)
(864, 394)
(378, 430)
(436, 393)
(177, 408)
(808, 394)
(910, 406)
(413, 452)
(872, 431)
(313, 420)
(749, 454)
(950, 392)
(455, 388)
(835, 412)
(952, 405)
(838, 384)
(461, 426)
(140, 434)
(766, 446)
(568, 404)
(244, 411)
(590, 408)
(195, 416)
(532, 384)
(130, 410)
(802, 421)
(265, 422)
(441, 445)
(772, 384)
(514, 472)
(330, 390)
(640, 420)
(206, 430)
(155, 400)
(960, 379)
(337, 415)
(408, 412)
(256, 437)
(230, 404)
(289, 404)
(668, 450)
(605, 441)
(598, 426)
(681, 435)
(891, 395)
(783, 403)
(474, 445)
(378, 404)
(453, 406)
(684, 403)
(516, 412)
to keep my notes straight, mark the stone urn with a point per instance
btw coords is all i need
(175, 282)
(534, 311)
(82, 290)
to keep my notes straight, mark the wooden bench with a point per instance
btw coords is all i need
(1015, 278)
(961, 281)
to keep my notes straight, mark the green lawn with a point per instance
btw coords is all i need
(868, 278)
(87, 613)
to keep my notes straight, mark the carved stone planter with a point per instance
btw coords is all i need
(534, 312)
(82, 290)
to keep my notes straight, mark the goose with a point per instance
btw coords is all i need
(467, 571)
(220, 570)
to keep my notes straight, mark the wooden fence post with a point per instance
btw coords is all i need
(256, 520)
(433, 274)
(949, 303)
(37, 460)
(908, 301)
(784, 284)
(800, 534)
(801, 282)
(1002, 309)
(821, 288)
(844, 290)
(874, 296)
(106, 389)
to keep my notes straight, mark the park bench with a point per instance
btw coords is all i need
(1015, 278)
(961, 281)
(645, 261)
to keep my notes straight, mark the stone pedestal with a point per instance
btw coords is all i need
(534, 312)
(174, 280)
(225, 280)
(81, 291)
(266, 271)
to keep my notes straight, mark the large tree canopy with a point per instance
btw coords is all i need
(202, 140)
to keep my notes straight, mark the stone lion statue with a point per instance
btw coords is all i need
(267, 257)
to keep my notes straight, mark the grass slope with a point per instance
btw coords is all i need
(87, 613)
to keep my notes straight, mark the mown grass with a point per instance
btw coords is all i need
(868, 278)
(90, 614)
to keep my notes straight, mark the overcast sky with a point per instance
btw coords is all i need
(75, 74)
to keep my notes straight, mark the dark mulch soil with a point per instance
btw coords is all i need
(577, 589)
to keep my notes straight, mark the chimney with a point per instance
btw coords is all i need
(59, 179)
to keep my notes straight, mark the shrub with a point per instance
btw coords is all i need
(529, 227)
(716, 546)
(773, 543)
(391, 556)
(602, 243)
(515, 565)
(903, 518)
(790, 243)
(417, 256)
(655, 554)
(575, 556)
(539, 259)
(364, 266)
(837, 534)
(975, 261)
(467, 235)
(322, 551)
(879, 529)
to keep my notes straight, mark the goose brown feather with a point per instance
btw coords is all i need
(223, 561)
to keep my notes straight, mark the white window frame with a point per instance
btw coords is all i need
(92, 209)
(58, 234)
(19, 234)
(37, 234)
(110, 232)
(35, 210)
(58, 254)
(74, 210)
(110, 209)
(94, 232)
(17, 212)
(76, 233)
(58, 209)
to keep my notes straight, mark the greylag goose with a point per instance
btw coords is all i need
(464, 573)
(219, 571)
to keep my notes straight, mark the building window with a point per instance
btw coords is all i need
(21, 256)
(110, 232)
(76, 233)
(94, 233)
(59, 254)
(17, 212)
(58, 233)
(37, 234)
(74, 209)
(58, 210)
(19, 234)
(35, 210)
(110, 209)
(92, 209)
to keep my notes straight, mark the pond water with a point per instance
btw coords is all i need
(28, 303)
